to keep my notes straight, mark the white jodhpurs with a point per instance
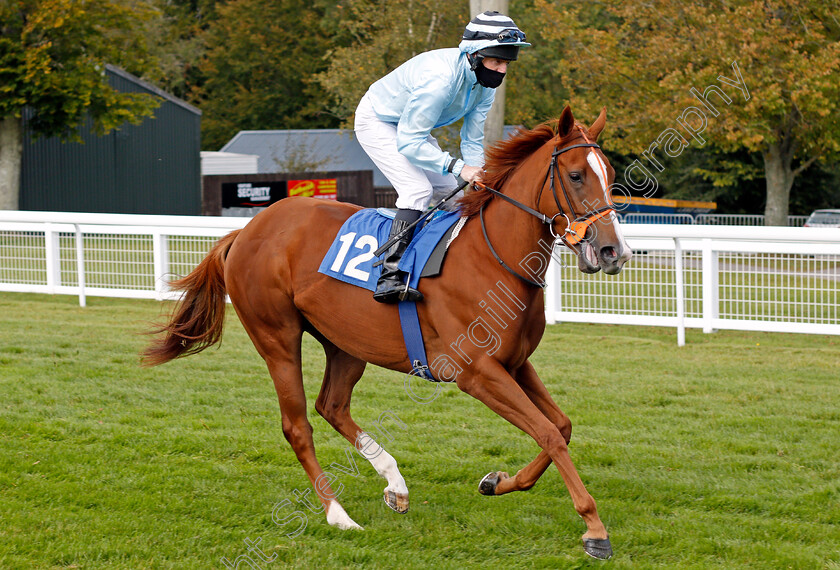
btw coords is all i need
(414, 185)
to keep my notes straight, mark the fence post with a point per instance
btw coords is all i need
(160, 256)
(551, 292)
(52, 251)
(80, 265)
(678, 267)
(711, 289)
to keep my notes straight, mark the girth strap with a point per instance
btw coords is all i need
(413, 337)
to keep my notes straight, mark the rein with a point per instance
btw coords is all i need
(575, 229)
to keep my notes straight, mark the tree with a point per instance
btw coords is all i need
(298, 155)
(177, 44)
(495, 123)
(384, 35)
(755, 75)
(259, 66)
(535, 89)
(52, 60)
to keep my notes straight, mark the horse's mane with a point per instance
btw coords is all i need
(502, 158)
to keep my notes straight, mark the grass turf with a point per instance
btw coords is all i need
(723, 453)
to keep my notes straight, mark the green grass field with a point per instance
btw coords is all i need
(724, 453)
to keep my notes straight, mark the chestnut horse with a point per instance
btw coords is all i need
(550, 183)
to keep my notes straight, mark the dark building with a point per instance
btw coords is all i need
(150, 168)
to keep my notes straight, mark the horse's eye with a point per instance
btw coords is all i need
(574, 176)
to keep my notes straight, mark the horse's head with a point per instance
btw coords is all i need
(580, 179)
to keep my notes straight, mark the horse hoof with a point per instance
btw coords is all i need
(598, 548)
(487, 486)
(397, 501)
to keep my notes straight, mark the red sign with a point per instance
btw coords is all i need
(324, 189)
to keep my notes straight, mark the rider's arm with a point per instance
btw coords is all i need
(419, 117)
(472, 131)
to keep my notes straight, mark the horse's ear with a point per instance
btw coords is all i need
(598, 125)
(566, 122)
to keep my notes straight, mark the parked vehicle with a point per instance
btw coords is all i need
(823, 219)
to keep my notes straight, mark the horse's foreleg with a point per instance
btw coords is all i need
(531, 384)
(340, 377)
(501, 393)
(499, 482)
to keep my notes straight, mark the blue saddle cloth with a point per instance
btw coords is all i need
(350, 258)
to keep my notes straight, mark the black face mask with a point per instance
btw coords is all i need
(488, 77)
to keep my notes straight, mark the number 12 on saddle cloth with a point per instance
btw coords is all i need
(350, 257)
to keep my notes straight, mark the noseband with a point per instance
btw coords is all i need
(575, 229)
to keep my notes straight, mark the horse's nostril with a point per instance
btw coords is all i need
(608, 253)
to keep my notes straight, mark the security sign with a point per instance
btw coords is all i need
(252, 194)
(324, 189)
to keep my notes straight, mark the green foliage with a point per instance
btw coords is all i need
(642, 58)
(728, 173)
(258, 68)
(175, 42)
(52, 60)
(384, 35)
(535, 91)
(721, 456)
(297, 64)
(646, 56)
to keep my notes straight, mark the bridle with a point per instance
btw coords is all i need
(575, 229)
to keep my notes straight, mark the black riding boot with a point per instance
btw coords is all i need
(391, 287)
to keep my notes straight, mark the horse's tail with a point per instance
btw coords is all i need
(199, 317)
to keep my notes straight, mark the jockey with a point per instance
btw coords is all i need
(395, 117)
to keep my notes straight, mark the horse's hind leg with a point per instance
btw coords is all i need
(340, 377)
(499, 482)
(281, 349)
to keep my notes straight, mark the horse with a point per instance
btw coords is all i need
(269, 270)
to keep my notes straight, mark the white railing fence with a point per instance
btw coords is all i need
(709, 277)
(797, 221)
(730, 219)
(705, 219)
(645, 218)
(106, 255)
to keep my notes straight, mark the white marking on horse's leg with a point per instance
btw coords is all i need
(336, 516)
(382, 461)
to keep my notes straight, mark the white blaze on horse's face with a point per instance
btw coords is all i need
(596, 163)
